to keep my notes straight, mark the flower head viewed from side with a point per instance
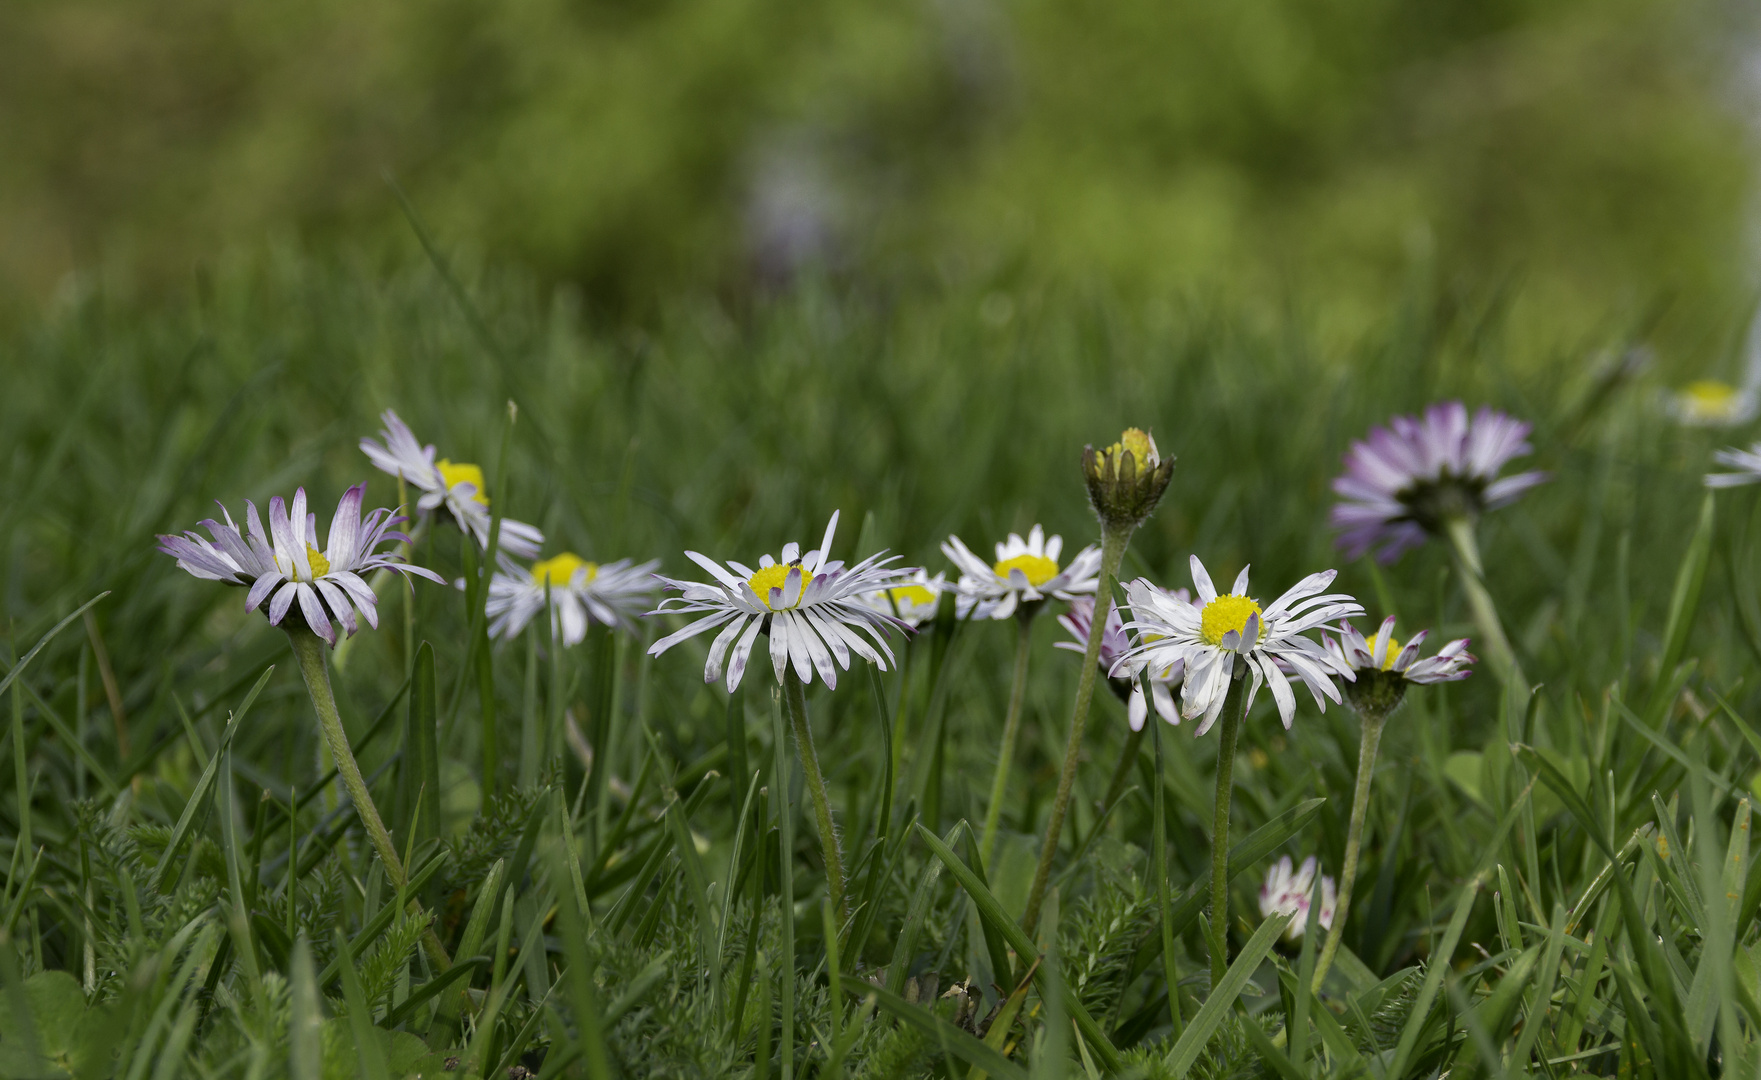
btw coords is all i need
(810, 605)
(582, 592)
(1114, 645)
(1408, 480)
(458, 486)
(284, 564)
(1026, 571)
(1210, 635)
(1289, 891)
(1384, 668)
(1711, 403)
(914, 599)
(1126, 480)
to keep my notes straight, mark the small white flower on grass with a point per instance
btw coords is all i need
(1384, 668)
(1025, 571)
(1114, 645)
(457, 486)
(811, 606)
(1710, 403)
(285, 565)
(1213, 633)
(615, 594)
(1288, 892)
(914, 600)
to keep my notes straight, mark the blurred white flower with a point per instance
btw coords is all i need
(1291, 893)
(914, 600)
(1710, 403)
(614, 594)
(1025, 571)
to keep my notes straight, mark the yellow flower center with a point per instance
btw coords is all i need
(776, 576)
(1393, 650)
(320, 565)
(911, 595)
(1037, 568)
(463, 473)
(1227, 613)
(560, 570)
(1710, 395)
(1143, 451)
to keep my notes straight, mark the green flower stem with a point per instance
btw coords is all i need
(310, 653)
(795, 697)
(1127, 760)
(993, 813)
(1496, 648)
(1233, 707)
(1360, 806)
(1114, 539)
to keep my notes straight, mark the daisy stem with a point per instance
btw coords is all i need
(1114, 539)
(1233, 708)
(310, 653)
(1473, 581)
(795, 697)
(1360, 806)
(993, 812)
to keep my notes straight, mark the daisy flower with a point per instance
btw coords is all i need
(1212, 634)
(810, 605)
(456, 485)
(1747, 464)
(1026, 571)
(1710, 403)
(1288, 892)
(612, 595)
(1384, 668)
(285, 565)
(914, 600)
(1114, 645)
(1407, 480)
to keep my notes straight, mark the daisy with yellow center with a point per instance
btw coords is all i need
(811, 606)
(580, 593)
(1711, 403)
(1025, 572)
(915, 602)
(456, 485)
(1225, 636)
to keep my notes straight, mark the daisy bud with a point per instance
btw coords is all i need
(1126, 480)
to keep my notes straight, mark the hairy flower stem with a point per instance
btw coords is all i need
(1360, 806)
(795, 699)
(310, 653)
(1113, 543)
(1233, 707)
(1497, 649)
(993, 813)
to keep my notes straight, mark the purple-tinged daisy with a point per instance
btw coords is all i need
(285, 565)
(1114, 645)
(458, 486)
(1212, 634)
(1289, 891)
(1384, 668)
(1407, 480)
(811, 607)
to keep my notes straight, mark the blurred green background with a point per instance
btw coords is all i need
(1589, 156)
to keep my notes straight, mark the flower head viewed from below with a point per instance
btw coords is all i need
(1211, 634)
(1384, 668)
(1026, 571)
(811, 607)
(1408, 480)
(915, 599)
(284, 564)
(581, 592)
(1114, 645)
(457, 486)
(1711, 403)
(1289, 891)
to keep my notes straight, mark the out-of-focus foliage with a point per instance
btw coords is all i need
(1590, 148)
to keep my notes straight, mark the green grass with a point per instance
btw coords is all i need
(153, 928)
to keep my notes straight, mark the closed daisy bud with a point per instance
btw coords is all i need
(1126, 480)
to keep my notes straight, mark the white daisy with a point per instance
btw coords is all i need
(914, 600)
(1025, 571)
(810, 606)
(284, 564)
(456, 485)
(1114, 645)
(614, 594)
(1747, 464)
(1710, 403)
(1291, 893)
(1210, 635)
